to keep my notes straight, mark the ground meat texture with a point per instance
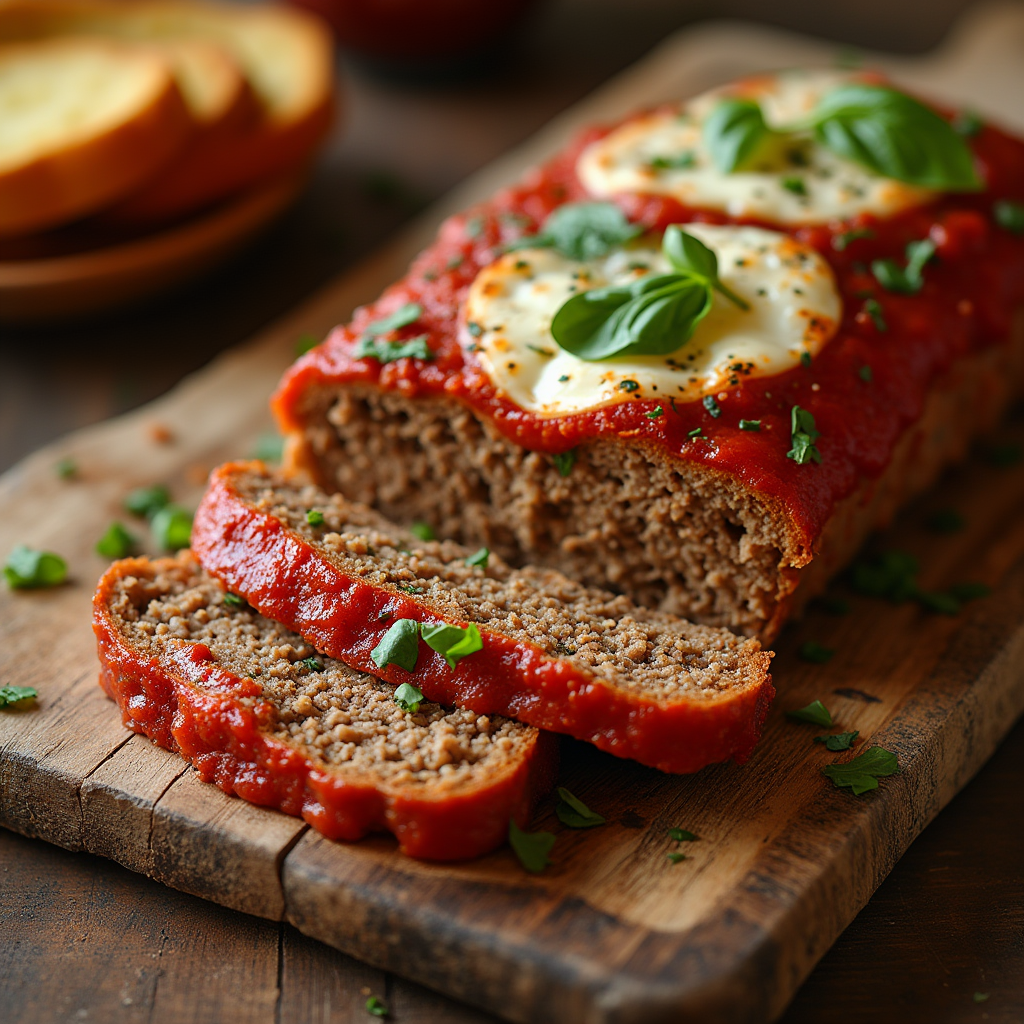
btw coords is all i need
(160, 623)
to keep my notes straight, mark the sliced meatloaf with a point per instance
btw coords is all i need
(257, 711)
(533, 644)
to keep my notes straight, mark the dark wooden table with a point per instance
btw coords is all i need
(81, 939)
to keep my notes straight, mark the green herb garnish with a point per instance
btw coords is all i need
(474, 227)
(680, 161)
(736, 134)
(582, 231)
(28, 569)
(409, 698)
(1009, 216)
(873, 308)
(803, 434)
(655, 413)
(838, 741)
(376, 1007)
(233, 600)
(147, 501)
(453, 642)
(422, 531)
(172, 527)
(753, 425)
(816, 653)
(314, 517)
(863, 772)
(906, 280)
(314, 664)
(981, 997)
(805, 359)
(15, 694)
(399, 646)
(842, 240)
(574, 813)
(117, 542)
(676, 857)
(401, 317)
(564, 461)
(653, 315)
(713, 408)
(682, 835)
(795, 185)
(890, 574)
(475, 329)
(390, 351)
(66, 468)
(866, 374)
(815, 713)
(696, 432)
(478, 559)
(532, 848)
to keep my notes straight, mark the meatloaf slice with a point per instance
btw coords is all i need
(639, 684)
(257, 711)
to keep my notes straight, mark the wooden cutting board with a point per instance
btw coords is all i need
(613, 930)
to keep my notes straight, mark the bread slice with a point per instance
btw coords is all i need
(284, 55)
(258, 712)
(82, 122)
(639, 684)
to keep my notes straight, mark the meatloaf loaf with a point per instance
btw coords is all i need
(256, 710)
(468, 630)
(866, 330)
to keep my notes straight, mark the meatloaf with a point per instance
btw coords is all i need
(534, 645)
(257, 711)
(729, 495)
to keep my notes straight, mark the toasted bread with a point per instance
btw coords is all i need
(82, 122)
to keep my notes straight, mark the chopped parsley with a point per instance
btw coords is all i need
(863, 772)
(474, 329)
(893, 575)
(815, 714)
(28, 569)
(453, 642)
(696, 432)
(866, 374)
(564, 461)
(532, 848)
(390, 351)
(117, 542)
(172, 527)
(655, 413)
(312, 663)
(676, 857)
(66, 468)
(682, 835)
(805, 358)
(16, 694)
(314, 517)
(474, 227)
(1009, 216)
(408, 588)
(873, 308)
(574, 813)
(454, 262)
(945, 520)
(795, 184)
(305, 343)
(841, 241)
(409, 698)
(147, 501)
(399, 646)
(422, 531)
(803, 434)
(376, 1007)
(907, 280)
(754, 425)
(679, 161)
(817, 654)
(478, 559)
(981, 997)
(402, 317)
(712, 406)
(838, 741)
(233, 600)
(629, 385)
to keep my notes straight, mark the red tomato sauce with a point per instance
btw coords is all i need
(967, 304)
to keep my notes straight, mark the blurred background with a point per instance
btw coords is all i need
(411, 126)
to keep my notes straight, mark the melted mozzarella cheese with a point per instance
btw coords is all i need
(664, 153)
(794, 309)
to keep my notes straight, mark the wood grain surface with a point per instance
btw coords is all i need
(612, 931)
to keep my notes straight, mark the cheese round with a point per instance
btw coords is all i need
(804, 183)
(794, 309)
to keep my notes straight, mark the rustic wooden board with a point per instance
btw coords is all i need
(612, 931)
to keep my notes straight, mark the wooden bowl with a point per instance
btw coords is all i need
(51, 288)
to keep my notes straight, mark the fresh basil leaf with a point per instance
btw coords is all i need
(735, 133)
(453, 642)
(894, 135)
(838, 741)
(117, 542)
(815, 713)
(587, 231)
(172, 527)
(15, 694)
(27, 569)
(389, 351)
(803, 434)
(690, 255)
(401, 317)
(532, 848)
(408, 698)
(863, 772)
(399, 646)
(574, 813)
